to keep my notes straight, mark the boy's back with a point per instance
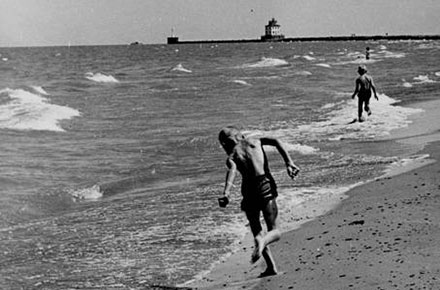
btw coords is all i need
(364, 82)
(250, 158)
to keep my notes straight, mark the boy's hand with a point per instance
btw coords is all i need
(223, 201)
(292, 171)
(376, 97)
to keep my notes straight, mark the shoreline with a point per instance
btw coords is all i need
(237, 273)
(383, 236)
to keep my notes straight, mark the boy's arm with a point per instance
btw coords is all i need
(292, 169)
(373, 87)
(356, 89)
(230, 176)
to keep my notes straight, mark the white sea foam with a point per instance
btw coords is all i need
(180, 68)
(337, 125)
(362, 60)
(405, 164)
(28, 111)
(101, 78)
(303, 73)
(308, 57)
(40, 90)
(389, 54)
(407, 84)
(437, 74)
(266, 62)
(91, 193)
(423, 79)
(418, 80)
(241, 82)
(323, 65)
(359, 57)
(356, 57)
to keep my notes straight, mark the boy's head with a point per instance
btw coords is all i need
(229, 137)
(362, 69)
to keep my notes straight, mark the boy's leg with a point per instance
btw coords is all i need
(270, 262)
(360, 103)
(270, 214)
(255, 225)
(367, 106)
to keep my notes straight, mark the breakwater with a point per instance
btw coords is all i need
(175, 40)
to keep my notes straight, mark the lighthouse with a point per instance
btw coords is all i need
(272, 31)
(172, 39)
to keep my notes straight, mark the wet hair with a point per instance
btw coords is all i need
(362, 69)
(229, 131)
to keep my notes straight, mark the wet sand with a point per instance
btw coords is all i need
(386, 235)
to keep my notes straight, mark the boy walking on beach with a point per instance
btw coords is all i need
(258, 187)
(364, 86)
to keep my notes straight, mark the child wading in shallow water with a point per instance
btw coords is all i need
(364, 86)
(258, 187)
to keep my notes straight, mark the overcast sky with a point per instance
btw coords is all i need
(102, 22)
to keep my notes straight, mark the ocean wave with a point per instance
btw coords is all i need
(405, 164)
(91, 193)
(303, 73)
(418, 80)
(338, 124)
(357, 57)
(326, 65)
(266, 62)
(241, 82)
(24, 110)
(406, 84)
(389, 54)
(101, 78)
(423, 79)
(40, 90)
(180, 68)
(308, 57)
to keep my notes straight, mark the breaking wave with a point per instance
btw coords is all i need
(23, 110)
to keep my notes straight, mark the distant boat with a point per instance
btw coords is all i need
(135, 43)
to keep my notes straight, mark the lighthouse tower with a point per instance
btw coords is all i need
(172, 39)
(272, 31)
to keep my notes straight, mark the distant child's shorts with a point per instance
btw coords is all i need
(259, 193)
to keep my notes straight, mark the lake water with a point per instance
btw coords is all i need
(110, 165)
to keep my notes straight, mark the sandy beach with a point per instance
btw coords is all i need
(383, 236)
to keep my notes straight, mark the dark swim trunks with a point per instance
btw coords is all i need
(259, 192)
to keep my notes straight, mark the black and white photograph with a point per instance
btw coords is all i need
(220, 145)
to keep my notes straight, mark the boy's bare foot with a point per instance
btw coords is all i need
(258, 251)
(268, 272)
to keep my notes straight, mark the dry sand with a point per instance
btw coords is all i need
(386, 235)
